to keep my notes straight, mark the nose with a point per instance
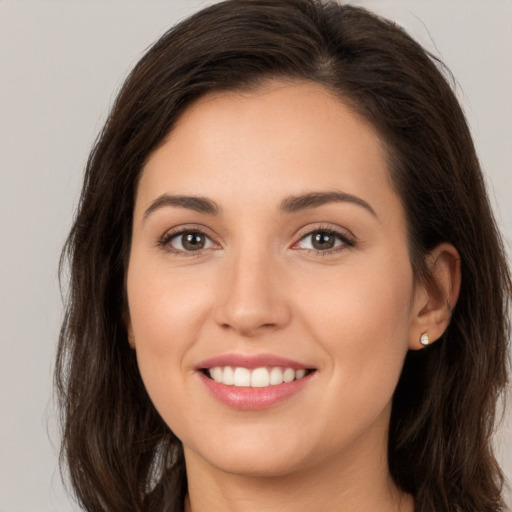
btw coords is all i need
(252, 298)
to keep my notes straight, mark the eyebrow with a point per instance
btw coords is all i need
(197, 204)
(315, 199)
(290, 204)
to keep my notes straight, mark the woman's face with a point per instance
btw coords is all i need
(268, 244)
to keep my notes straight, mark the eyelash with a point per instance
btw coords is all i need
(166, 239)
(346, 241)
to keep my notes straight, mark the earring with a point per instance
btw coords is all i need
(131, 340)
(424, 340)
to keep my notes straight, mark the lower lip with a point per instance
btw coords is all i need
(248, 398)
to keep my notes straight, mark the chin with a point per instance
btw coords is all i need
(264, 466)
(251, 457)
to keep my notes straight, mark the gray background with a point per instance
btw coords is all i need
(61, 63)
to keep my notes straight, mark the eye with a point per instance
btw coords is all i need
(324, 240)
(187, 241)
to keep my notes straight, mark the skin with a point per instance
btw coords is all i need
(258, 286)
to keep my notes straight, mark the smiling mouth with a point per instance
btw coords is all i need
(255, 378)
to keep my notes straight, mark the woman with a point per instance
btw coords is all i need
(287, 286)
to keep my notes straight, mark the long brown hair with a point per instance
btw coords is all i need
(120, 454)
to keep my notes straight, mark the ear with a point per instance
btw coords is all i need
(436, 297)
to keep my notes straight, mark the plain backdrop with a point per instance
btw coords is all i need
(61, 63)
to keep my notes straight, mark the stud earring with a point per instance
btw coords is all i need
(424, 340)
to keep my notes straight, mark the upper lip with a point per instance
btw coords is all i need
(251, 362)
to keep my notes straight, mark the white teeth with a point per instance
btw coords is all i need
(300, 373)
(276, 376)
(228, 376)
(216, 374)
(260, 378)
(242, 377)
(288, 375)
(257, 378)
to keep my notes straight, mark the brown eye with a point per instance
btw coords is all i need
(322, 240)
(190, 241)
(193, 241)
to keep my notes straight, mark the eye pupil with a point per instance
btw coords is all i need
(322, 241)
(193, 241)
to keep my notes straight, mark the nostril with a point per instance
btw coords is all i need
(247, 326)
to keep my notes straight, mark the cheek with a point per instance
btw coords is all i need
(361, 318)
(167, 310)
(166, 306)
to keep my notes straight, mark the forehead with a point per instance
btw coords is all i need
(293, 136)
